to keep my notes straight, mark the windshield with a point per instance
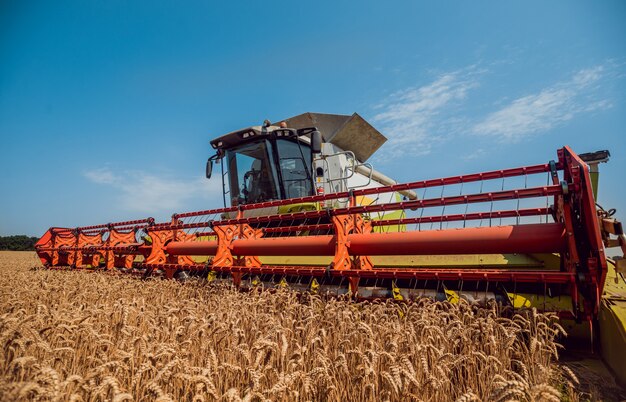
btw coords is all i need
(251, 176)
(295, 166)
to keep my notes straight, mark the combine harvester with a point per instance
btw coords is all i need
(303, 209)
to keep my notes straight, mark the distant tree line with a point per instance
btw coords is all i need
(17, 243)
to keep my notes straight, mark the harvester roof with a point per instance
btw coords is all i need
(348, 132)
(243, 135)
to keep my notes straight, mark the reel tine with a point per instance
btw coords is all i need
(419, 226)
(443, 210)
(480, 191)
(502, 189)
(486, 289)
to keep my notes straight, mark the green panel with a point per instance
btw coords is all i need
(612, 323)
(594, 176)
(528, 261)
(304, 206)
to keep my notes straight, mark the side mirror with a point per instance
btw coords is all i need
(316, 142)
(209, 168)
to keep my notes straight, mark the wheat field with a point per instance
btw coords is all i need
(81, 336)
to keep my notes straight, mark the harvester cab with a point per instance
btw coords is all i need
(305, 155)
(265, 163)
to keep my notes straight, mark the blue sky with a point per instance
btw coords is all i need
(107, 107)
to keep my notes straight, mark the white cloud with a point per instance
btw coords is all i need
(412, 118)
(475, 154)
(546, 109)
(101, 176)
(146, 193)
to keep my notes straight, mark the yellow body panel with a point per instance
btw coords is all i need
(301, 207)
(397, 214)
(528, 261)
(612, 323)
